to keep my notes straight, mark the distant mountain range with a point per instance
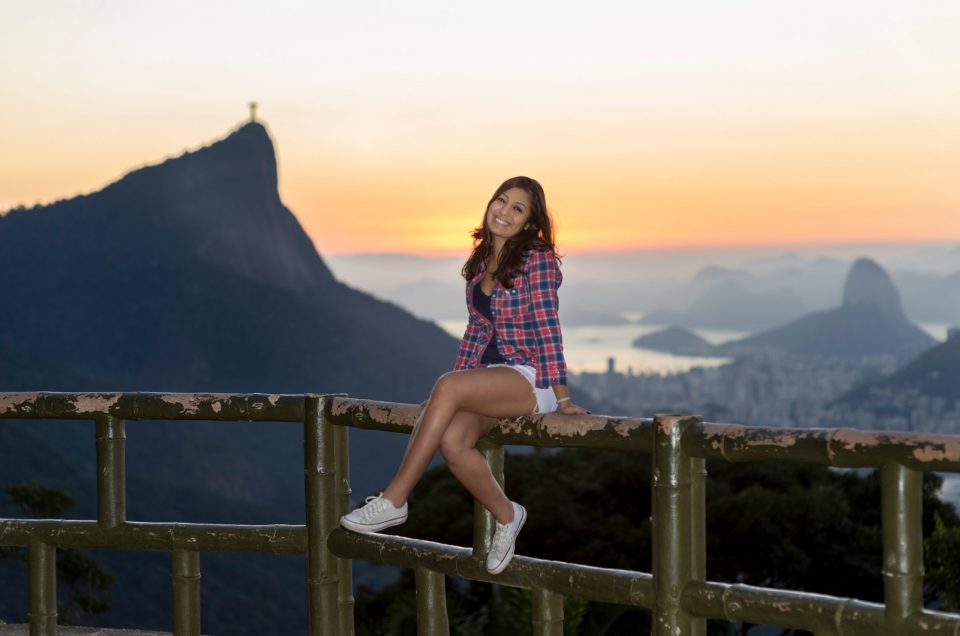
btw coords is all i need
(191, 275)
(933, 375)
(728, 304)
(728, 290)
(907, 381)
(870, 321)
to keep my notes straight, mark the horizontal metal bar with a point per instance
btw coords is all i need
(842, 447)
(159, 537)
(597, 584)
(732, 442)
(818, 613)
(154, 406)
(551, 430)
(784, 608)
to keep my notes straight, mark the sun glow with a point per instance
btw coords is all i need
(648, 125)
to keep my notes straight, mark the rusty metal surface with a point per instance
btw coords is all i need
(842, 447)
(154, 406)
(551, 430)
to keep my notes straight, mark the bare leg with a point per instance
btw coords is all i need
(459, 448)
(496, 392)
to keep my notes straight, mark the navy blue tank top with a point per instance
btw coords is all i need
(481, 302)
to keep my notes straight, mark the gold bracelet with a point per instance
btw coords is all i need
(563, 399)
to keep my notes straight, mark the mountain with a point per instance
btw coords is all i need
(869, 285)
(934, 374)
(870, 321)
(728, 305)
(675, 340)
(191, 275)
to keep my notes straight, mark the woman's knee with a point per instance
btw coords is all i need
(452, 445)
(444, 389)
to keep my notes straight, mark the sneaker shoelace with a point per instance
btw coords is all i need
(502, 538)
(374, 506)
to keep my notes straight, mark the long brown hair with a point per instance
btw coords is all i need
(537, 235)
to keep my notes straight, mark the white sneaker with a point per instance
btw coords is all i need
(504, 540)
(378, 513)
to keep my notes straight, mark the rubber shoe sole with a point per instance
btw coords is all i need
(368, 528)
(357, 521)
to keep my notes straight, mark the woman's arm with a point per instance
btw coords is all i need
(564, 404)
(545, 279)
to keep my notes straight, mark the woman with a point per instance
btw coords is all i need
(510, 364)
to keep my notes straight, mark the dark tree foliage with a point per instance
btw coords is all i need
(795, 526)
(82, 581)
(39, 501)
(943, 564)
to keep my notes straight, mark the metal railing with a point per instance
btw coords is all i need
(677, 592)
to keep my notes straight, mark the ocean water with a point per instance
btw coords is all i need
(589, 348)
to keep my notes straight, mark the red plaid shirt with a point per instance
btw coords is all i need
(524, 320)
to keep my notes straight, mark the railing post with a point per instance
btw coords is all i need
(320, 492)
(484, 523)
(431, 603)
(111, 471)
(344, 566)
(901, 509)
(698, 529)
(547, 610)
(42, 574)
(185, 580)
(673, 527)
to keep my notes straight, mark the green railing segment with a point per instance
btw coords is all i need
(677, 592)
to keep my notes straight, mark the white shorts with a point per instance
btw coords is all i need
(546, 398)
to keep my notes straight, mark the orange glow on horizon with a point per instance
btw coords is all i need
(666, 182)
(752, 124)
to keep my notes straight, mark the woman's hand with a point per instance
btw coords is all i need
(569, 408)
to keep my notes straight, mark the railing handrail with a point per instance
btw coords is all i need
(676, 591)
(841, 447)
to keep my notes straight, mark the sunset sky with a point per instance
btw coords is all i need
(650, 124)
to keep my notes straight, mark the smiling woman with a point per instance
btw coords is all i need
(510, 364)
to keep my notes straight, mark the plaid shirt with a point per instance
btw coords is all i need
(525, 317)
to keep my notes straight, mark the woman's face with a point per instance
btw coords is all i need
(509, 213)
